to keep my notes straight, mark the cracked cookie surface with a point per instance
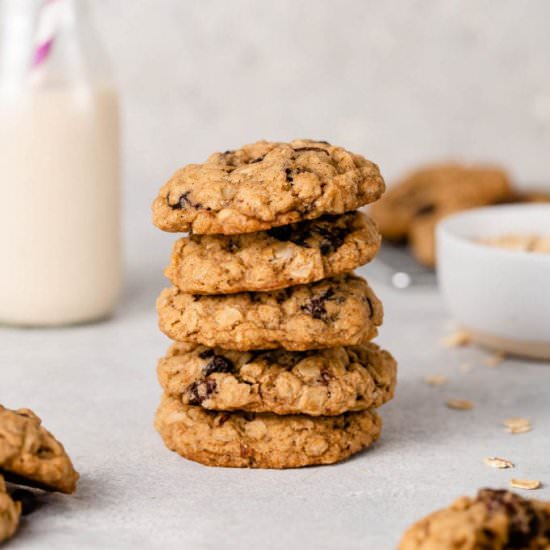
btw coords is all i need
(30, 452)
(280, 257)
(322, 382)
(10, 512)
(412, 208)
(343, 311)
(249, 440)
(494, 519)
(264, 185)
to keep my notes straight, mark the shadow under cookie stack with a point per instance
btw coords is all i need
(272, 364)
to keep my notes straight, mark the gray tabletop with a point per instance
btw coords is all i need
(95, 387)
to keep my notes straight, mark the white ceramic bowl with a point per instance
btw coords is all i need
(501, 296)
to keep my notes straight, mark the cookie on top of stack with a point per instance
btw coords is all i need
(272, 364)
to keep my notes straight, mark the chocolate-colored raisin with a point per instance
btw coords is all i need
(200, 391)
(288, 174)
(218, 363)
(283, 295)
(183, 202)
(316, 306)
(332, 241)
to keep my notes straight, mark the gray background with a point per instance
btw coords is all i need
(401, 82)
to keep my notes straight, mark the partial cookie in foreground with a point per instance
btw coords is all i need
(264, 185)
(321, 382)
(249, 440)
(495, 519)
(10, 512)
(30, 452)
(343, 311)
(280, 257)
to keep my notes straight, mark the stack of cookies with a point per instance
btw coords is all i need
(273, 364)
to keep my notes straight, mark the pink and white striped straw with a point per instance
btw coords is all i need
(45, 33)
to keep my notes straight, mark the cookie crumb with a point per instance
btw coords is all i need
(495, 359)
(436, 380)
(527, 484)
(517, 425)
(459, 404)
(456, 339)
(496, 462)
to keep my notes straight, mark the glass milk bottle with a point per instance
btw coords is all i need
(59, 167)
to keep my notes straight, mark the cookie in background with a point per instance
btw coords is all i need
(411, 209)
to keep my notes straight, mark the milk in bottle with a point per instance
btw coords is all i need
(59, 168)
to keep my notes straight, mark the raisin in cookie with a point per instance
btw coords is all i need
(249, 440)
(280, 257)
(30, 452)
(412, 208)
(323, 382)
(10, 512)
(265, 185)
(343, 311)
(495, 519)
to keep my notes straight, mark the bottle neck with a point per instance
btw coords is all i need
(45, 43)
